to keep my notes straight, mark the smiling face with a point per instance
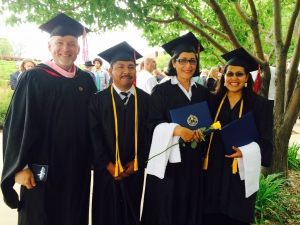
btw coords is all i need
(186, 71)
(123, 74)
(64, 50)
(233, 82)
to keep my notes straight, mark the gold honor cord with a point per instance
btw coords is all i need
(118, 165)
(234, 163)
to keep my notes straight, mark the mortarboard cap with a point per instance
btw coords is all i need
(120, 52)
(62, 25)
(240, 57)
(185, 43)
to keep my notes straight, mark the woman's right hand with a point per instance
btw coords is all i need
(186, 134)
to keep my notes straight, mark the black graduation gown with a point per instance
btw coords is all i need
(177, 199)
(47, 124)
(224, 192)
(117, 202)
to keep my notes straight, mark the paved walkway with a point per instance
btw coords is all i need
(9, 216)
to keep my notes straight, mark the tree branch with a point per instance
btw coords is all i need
(291, 26)
(203, 34)
(72, 8)
(174, 19)
(205, 25)
(291, 77)
(253, 24)
(218, 58)
(280, 57)
(224, 23)
(193, 27)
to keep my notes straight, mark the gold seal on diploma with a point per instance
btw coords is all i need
(192, 120)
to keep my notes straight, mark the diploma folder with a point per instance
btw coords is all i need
(40, 172)
(192, 116)
(240, 132)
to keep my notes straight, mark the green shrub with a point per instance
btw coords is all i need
(293, 157)
(270, 202)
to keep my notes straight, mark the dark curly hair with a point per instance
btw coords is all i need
(99, 60)
(171, 71)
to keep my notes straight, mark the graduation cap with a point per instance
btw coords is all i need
(120, 52)
(62, 25)
(240, 57)
(185, 43)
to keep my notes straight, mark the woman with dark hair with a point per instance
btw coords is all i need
(229, 196)
(173, 195)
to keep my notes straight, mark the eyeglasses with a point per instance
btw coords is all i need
(192, 62)
(238, 74)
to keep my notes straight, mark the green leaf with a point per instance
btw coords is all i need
(193, 144)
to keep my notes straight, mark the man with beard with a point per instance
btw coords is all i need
(117, 117)
(46, 135)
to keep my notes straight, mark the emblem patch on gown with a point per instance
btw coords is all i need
(80, 89)
(192, 120)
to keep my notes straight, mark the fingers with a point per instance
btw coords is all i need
(237, 154)
(26, 178)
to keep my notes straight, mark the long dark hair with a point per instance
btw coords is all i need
(248, 93)
(171, 71)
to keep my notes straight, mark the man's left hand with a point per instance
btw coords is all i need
(129, 168)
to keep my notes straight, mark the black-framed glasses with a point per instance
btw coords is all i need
(238, 74)
(192, 62)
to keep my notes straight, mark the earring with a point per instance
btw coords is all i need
(246, 84)
(224, 84)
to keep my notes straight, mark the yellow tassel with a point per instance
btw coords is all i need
(120, 166)
(205, 164)
(116, 169)
(136, 164)
(234, 166)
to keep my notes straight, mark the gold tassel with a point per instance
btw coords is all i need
(120, 166)
(136, 164)
(116, 169)
(234, 166)
(205, 164)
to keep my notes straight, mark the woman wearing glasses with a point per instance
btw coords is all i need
(231, 181)
(173, 196)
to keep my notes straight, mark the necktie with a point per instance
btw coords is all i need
(126, 97)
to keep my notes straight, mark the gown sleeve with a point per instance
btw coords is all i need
(263, 115)
(100, 156)
(156, 109)
(20, 131)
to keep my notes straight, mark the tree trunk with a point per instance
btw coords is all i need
(280, 149)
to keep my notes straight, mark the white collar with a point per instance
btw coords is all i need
(174, 81)
(130, 90)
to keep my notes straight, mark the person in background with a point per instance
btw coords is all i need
(26, 64)
(158, 75)
(102, 76)
(176, 198)
(228, 198)
(46, 139)
(88, 68)
(272, 86)
(221, 69)
(145, 80)
(212, 80)
(117, 118)
(203, 76)
(13, 78)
